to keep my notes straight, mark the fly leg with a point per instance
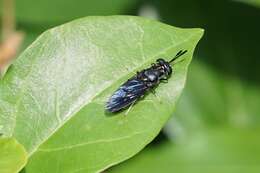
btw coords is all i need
(154, 93)
(164, 80)
(153, 65)
(138, 73)
(130, 107)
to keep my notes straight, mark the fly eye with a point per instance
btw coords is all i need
(169, 70)
(160, 61)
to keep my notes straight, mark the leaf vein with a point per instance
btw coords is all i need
(89, 143)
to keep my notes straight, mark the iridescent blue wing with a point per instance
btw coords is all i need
(128, 93)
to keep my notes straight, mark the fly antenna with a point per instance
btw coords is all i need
(179, 54)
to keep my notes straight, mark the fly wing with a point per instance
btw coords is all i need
(129, 92)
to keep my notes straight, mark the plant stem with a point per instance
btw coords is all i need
(8, 18)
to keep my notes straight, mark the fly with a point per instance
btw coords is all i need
(140, 84)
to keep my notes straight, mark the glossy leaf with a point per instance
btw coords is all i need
(12, 156)
(53, 97)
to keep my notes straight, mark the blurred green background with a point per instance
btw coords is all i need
(216, 124)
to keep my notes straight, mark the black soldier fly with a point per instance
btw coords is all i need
(138, 85)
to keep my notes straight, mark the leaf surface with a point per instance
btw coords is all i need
(53, 97)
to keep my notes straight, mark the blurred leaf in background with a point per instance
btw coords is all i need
(34, 17)
(60, 11)
(200, 153)
(10, 39)
(250, 2)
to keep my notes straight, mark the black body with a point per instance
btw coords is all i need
(137, 86)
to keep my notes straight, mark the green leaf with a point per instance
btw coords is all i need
(52, 99)
(13, 156)
(250, 2)
(216, 150)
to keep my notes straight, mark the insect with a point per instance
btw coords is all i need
(138, 85)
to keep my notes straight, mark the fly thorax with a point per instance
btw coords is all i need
(151, 77)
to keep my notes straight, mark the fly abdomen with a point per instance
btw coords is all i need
(126, 94)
